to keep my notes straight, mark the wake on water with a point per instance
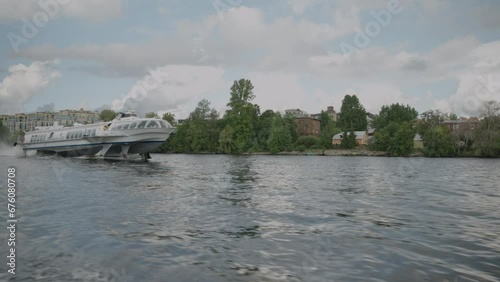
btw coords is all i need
(10, 151)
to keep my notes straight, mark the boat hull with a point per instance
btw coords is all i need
(108, 145)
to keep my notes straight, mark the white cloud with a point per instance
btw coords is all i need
(276, 53)
(477, 83)
(172, 88)
(284, 42)
(24, 82)
(92, 10)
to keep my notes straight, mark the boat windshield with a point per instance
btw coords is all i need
(152, 124)
(165, 124)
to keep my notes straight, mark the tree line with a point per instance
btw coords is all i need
(243, 128)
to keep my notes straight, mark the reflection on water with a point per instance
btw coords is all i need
(257, 218)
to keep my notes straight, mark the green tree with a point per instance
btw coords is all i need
(453, 116)
(384, 137)
(199, 133)
(264, 129)
(397, 113)
(401, 143)
(226, 144)
(487, 134)
(177, 142)
(242, 115)
(203, 133)
(152, 115)
(291, 126)
(328, 130)
(429, 120)
(279, 138)
(352, 114)
(170, 118)
(394, 129)
(348, 140)
(107, 115)
(438, 142)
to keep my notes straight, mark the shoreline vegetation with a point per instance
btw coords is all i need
(396, 131)
(313, 152)
(328, 153)
(245, 130)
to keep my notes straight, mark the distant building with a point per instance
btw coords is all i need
(361, 138)
(463, 124)
(296, 113)
(330, 111)
(28, 122)
(308, 126)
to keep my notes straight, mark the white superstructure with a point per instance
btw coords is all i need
(125, 135)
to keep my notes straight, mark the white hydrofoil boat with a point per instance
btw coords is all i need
(123, 136)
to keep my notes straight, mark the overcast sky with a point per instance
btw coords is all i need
(166, 55)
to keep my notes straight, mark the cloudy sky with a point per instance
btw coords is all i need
(166, 55)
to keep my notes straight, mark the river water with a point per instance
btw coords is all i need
(254, 218)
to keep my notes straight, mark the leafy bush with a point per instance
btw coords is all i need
(308, 141)
(316, 147)
(300, 148)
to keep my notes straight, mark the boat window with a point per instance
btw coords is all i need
(79, 134)
(67, 135)
(142, 124)
(133, 125)
(125, 126)
(93, 132)
(152, 124)
(165, 124)
(51, 134)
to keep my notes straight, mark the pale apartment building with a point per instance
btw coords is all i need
(28, 121)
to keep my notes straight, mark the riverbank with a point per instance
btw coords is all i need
(319, 152)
